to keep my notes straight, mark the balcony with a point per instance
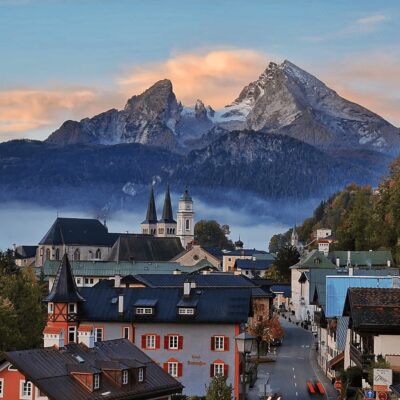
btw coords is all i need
(361, 360)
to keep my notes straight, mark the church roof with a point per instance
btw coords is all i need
(151, 215)
(167, 216)
(64, 289)
(79, 231)
(134, 247)
(186, 195)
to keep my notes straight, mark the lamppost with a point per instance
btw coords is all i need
(244, 343)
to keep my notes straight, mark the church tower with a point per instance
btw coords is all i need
(166, 226)
(62, 305)
(149, 225)
(185, 218)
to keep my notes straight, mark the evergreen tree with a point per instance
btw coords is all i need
(218, 389)
(211, 234)
(287, 256)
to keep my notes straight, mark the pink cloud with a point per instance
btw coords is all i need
(216, 77)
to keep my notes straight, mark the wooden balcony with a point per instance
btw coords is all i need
(361, 360)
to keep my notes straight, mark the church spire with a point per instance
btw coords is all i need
(151, 216)
(64, 289)
(167, 216)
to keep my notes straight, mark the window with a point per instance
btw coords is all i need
(78, 281)
(218, 369)
(89, 281)
(1, 387)
(186, 311)
(50, 308)
(98, 254)
(77, 255)
(219, 343)
(173, 369)
(71, 334)
(126, 334)
(173, 342)
(98, 334)
(187, 225)
(96, 381)
(57, 254)
(141, 375)
(161, 231)
(48, 254)
(144, 310)
(71, 308)
(25, 390)
(150, 341)
(125, 376)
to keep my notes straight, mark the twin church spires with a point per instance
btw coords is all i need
(167, 226)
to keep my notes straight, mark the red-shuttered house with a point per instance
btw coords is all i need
(189, 330)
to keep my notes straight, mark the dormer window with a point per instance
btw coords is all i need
(141, 375)
(186, 311)
(96, 381)
(72, 308)
(144, 310)
(125, 377)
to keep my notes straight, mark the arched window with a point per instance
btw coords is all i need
(77, 255)
(48, 254)
(187, 225)
(98, 254)
(57, 254)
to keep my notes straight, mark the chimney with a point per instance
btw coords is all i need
(186, 288)
(351, 270)
(337, 262)
(120, 304)
(86, 336)
(177, 272)
(192, 285)
(205, 272)
(349, 258)
(117, 281)
(388, 263)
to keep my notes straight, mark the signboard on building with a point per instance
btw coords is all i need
(369, 394)
(382, 396)
(382, 379)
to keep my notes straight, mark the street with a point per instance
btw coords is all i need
(294, 366)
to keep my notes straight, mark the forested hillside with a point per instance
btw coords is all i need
(360, 217)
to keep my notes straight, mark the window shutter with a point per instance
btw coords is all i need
(180, 369)
(226, 368)
(211, 370)
(143, 341)
(166, 342)
(226, 343)
(180, 342)
(157, 341)
(212, 343)
(165, 366)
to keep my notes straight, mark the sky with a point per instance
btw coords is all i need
(72, 59)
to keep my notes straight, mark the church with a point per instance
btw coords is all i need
(167, 226)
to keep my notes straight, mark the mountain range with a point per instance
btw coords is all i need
(287, 135)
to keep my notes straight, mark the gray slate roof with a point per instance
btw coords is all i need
(254, 265)
(79, 231)
(134, 247)
(22, 252)
(213, 304)
(49, 370)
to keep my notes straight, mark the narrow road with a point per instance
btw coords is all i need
(294, 366)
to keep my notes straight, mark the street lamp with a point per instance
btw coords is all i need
(244, 343)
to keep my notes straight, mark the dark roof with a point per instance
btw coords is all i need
(79, 231)
(373, 310)
(256, 265)
(214, 305)
(396, 389)
(284, 288)
(214, 251)
(244, 252)
(215, 280)
(167, 216)
(22, 252)
(64, 289)
(151, 215)
(49, 369)
(134, 247)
